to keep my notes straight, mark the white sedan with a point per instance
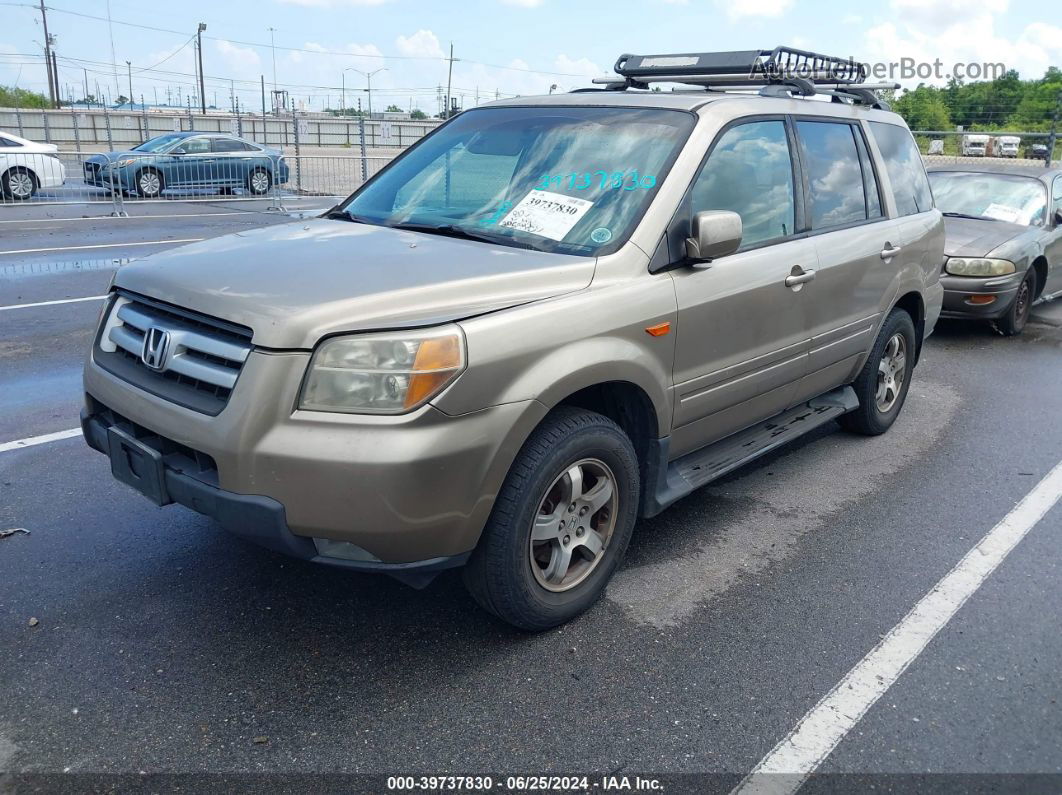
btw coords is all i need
(26, 166)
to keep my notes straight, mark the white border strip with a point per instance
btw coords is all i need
(789, 764)
(53, 303)
(33, 441)
(102, 245)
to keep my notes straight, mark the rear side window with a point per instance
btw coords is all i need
(835, 176)
(7, 141)
(229, 145)
(750, 172)
(903, 163)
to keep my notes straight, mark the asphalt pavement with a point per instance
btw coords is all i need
(138, 639)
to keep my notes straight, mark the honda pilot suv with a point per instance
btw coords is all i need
(550, 317)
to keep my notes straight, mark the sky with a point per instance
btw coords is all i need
(501, 47)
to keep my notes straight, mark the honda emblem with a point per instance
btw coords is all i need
(156, 347)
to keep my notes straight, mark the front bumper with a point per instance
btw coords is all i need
(958, 291)
(406, 489)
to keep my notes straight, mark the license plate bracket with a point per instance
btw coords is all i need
(137, 465)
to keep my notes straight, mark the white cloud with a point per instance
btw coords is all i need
(241, 60)
(956, 32)
(523, 3)
(422, 44)
(743, 10)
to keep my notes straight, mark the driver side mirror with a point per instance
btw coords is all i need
(1058, 217)
(716, 233)
(179, 151)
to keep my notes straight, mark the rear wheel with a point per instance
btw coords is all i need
(882, 384)
(149, 183)
(259, 182)
(560, 524)
(1017, 315)
(19, 184)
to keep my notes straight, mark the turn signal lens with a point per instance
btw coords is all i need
(382, 373)
(981, 300)
(964, 266)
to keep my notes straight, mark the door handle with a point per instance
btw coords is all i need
(798, 278)
(890, 251)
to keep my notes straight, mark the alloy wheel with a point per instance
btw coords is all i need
(574, 523)
(892, 370)
(20, 184)
(149, 183)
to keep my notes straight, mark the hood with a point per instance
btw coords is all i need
(295, 283)
(34, 148)
(110, 157)
(973, 237)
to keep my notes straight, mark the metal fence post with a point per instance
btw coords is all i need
(1053, 137)
(77, 131)
(110, 137)
(364, 154)
(117, 199)
(18, 118)
(47, 127)
(298, 158)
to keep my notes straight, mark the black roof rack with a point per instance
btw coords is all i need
(783, 71)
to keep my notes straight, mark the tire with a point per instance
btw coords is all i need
(259, 182)
(1013, 322)
(19, 183)
(149, 183)
(524, 581)
(880, 404)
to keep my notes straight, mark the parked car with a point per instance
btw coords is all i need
(1036, 152)
(188, 160)
(27, 166)
(551, 316)
(1004, 240)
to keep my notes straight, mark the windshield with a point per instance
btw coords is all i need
(1002, 197)
(158, 144)
(559, 179)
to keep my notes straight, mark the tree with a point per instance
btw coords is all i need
(393, 109)
(418, 114)
(11, 97)
(923, 109)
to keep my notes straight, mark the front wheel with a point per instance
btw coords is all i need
(1013, 322)
(149, 183)
(882, 384)
(19, 184)
(560, 524)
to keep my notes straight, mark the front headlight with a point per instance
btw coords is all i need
(126, 162)
(382, 373)
(966, 266)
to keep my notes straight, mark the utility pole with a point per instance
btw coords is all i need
(48, 55)
(202, 89)
(55, 73)
(449, 78)
(262, 77)
(114, 60)
(129, 68)
(84, 73)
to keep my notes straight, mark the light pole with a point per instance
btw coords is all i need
(273, 47)
(368, 81)
(202, 89)
(129, 71)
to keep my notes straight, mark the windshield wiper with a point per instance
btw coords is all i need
(967, 215)
(336, 214)
(449, 230)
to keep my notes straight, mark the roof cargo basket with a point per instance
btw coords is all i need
(783, 71)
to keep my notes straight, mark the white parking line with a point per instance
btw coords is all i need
(52, 303)
(32, 441)
(102, 245)
(789, 764)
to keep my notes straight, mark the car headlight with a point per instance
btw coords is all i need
(980, 266)
(127, 161)
(382, 373)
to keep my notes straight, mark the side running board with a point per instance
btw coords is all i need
(695, 469)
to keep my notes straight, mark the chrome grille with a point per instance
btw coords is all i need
(190, 359)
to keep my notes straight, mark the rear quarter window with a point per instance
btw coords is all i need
(903, 164)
